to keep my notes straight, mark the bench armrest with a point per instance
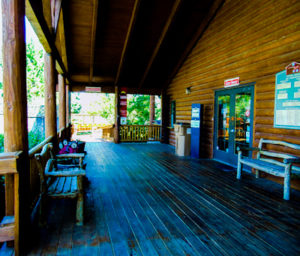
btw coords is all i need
(51, 171)
(291, 160)
(248, 149)
(74, 173)
(71, 155)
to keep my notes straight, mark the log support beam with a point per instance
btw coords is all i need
(68, 105)
(15, 117)
(152, 109)
(62, 101)
(117, 115)
(50, 96)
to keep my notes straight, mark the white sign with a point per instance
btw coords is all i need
(195, 124)
(195, 112)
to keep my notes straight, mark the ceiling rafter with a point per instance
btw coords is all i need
(216, 6)
(93, 39)
(160, 40)
(127, 39)
(57, 9)
(62, 38)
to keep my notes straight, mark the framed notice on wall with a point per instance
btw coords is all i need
(287, 101)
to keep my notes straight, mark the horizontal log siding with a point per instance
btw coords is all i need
(252, 40)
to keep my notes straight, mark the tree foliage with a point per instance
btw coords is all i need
(103, 107)
(75, 104)
(35, 72)
(138, 109)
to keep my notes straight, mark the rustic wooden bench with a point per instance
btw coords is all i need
(60, 182)
(277, 164)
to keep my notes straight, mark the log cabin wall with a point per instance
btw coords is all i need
(252, 40)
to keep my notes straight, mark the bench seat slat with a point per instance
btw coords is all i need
(63, 187)
(264, 166)
(67, 187)
(53, 185)
(60, 185)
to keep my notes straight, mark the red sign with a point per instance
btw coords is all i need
(232, 82)
(123, 102)
(293, 68)
(92, 89)
(247, 114)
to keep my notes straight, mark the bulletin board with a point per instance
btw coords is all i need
(287, 101)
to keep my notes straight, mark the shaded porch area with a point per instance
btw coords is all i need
(141, 199)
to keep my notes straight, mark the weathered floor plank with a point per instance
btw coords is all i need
(141, 199)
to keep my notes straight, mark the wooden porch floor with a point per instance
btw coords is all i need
(143, 200)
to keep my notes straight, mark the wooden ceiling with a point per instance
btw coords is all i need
(134, 43)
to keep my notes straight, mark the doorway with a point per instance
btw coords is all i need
(233, 122)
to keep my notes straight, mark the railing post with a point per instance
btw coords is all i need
(62, 101)
(15, 113)
(117, 115)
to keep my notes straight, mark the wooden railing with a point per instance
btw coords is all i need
(9, 226)
(140, 133)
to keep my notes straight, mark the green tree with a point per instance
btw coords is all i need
(138, 109)
(103, 107)
(75, 104)
(35, 72)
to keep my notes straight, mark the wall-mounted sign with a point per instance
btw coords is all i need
(195, 112)
(92, 89)
(123, 106)
(123, 120)
(287, 101)
(232, 82)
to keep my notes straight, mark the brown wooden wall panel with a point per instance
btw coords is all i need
(253, 40)
(172, 137)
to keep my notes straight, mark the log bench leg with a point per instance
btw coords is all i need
(80, 203)
(287, 183)
(239, 167)
(256, 173)
(42, 209)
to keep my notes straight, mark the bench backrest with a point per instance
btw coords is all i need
(268, 155)
(43, 157)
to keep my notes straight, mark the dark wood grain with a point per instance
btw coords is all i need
(141, 199)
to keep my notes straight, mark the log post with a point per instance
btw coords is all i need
(68, 111)
(152, 109)
(15, 115)
(62, 101)
(164, 118)
(117, 115)
(50, 96)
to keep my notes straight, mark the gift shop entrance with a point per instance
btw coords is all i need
(233, 121)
